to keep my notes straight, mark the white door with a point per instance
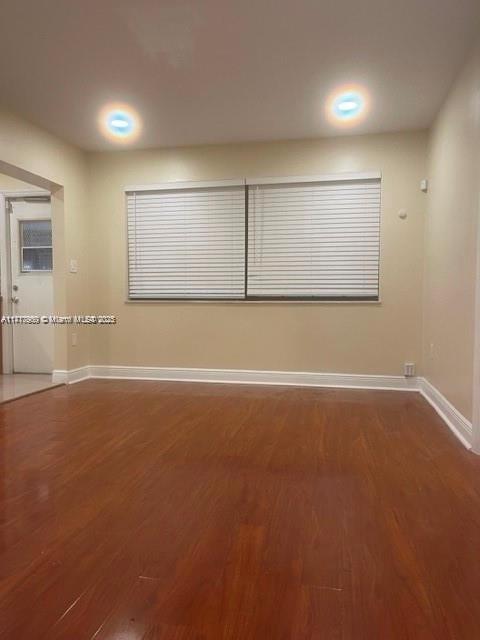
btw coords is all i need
(32, 284)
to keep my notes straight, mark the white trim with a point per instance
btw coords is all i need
(264, 301)
(27, 193)
(476, 345)
(327, 177)
(60, 376)
(5, 286)
(165, 186)
(246, 376)
(456, 422)
(63, 376)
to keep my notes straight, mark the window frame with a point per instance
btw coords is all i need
(249, 182)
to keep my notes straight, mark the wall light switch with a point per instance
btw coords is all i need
(74, 339)
(73, 266)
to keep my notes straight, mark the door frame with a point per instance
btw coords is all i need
(476, 347)
(5, 267)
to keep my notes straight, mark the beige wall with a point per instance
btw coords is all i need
(347, 338)
(32, 155)
(451, 247)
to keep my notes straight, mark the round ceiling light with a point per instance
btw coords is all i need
(119, 123)
(347, 106)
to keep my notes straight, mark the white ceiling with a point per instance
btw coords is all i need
(208, 71)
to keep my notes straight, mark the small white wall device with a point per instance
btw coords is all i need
(409, 369)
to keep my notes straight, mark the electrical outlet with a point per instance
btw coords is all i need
(432, 350)
(409, 369)
(74, 339)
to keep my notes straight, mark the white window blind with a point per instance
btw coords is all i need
(314, 239)
(186, 243)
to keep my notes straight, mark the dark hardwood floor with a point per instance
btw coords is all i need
(144, 510)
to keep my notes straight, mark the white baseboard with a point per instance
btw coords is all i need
(64, 376)
(459, 425)
(456, 422)
(245, 376)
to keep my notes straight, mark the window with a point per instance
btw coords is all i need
(187, 243)
(36, 245)
(273, 239)
(315, 240)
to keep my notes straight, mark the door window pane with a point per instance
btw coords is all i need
(36, 233)
(36, 259)
(36, 245)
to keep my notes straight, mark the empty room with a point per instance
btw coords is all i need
(240, 320)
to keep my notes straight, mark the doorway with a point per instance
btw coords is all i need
(30, 207)
(31, 283)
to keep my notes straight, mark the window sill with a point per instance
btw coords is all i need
(256, 302)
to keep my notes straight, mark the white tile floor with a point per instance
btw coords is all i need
(21, 384)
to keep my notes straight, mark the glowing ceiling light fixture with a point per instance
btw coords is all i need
(119, 123)
(347, 106)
